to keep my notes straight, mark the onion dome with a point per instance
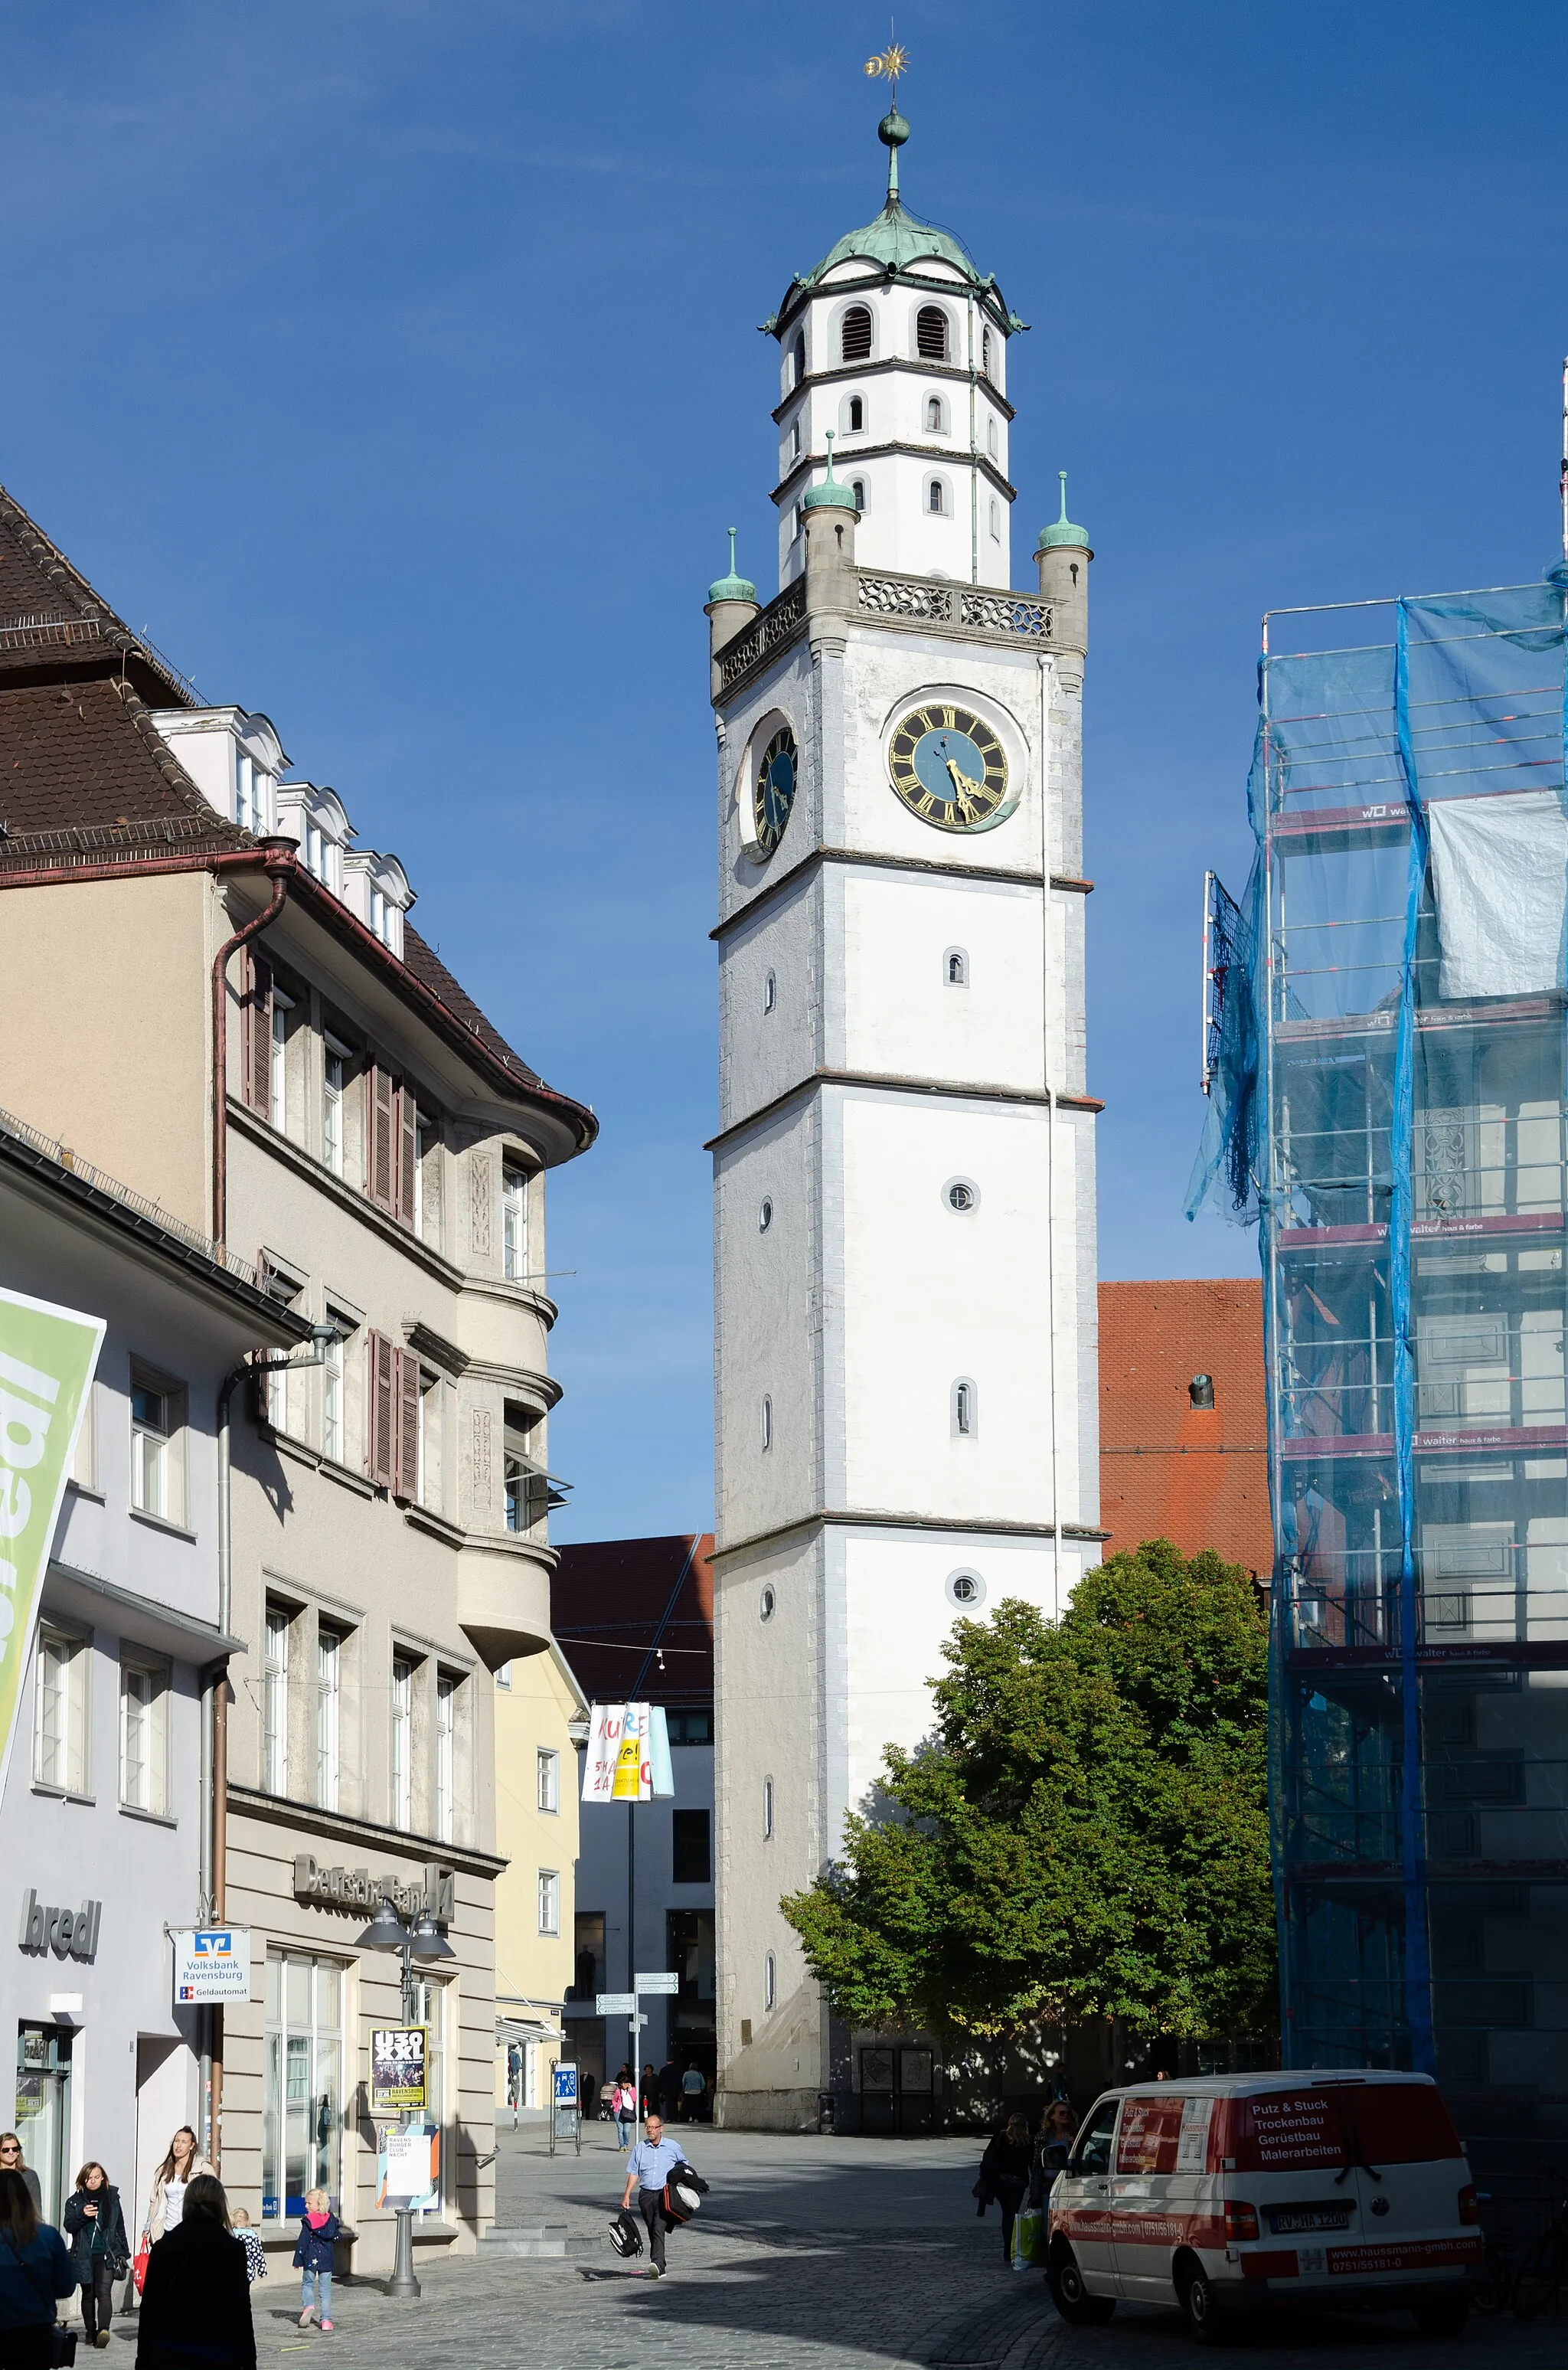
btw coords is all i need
(732, 587)
(1063, 533)
(829, 495)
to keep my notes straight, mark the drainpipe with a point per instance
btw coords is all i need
(215, 1742)
(278, 873)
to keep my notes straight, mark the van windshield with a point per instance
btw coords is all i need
(1340, 2124)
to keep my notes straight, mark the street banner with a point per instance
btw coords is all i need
(397, 2069)
(628, 1754)
(210, 1962)
(47, 1357)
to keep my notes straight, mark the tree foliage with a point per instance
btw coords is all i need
(1086, 1833)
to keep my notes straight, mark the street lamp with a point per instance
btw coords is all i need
(387, 1932)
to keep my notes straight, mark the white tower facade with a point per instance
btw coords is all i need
(904, 1171)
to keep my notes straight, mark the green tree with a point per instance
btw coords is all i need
(1086, 1833)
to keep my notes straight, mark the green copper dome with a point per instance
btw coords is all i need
(732, 587)
(1063, 533)
(829, 495)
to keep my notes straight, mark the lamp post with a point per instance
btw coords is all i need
(387, 1932)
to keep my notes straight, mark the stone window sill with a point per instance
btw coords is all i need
(162, 1523)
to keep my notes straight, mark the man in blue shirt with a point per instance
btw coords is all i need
(652, 2162)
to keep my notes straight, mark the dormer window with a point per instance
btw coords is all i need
(381, 915)
(854, 335)
(931, 334)
(250, 793)
(376, 888)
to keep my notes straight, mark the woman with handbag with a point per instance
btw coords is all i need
(95, 2228)
(34, 2270)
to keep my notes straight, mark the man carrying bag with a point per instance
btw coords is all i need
(653, 2160)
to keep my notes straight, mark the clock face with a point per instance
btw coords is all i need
(948, 767)
(774, 794)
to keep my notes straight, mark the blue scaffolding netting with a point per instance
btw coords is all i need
(1387, 1065)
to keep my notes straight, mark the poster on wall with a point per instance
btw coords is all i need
(397, 2069)
(47, 1357)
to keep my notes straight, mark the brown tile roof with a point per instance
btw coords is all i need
(1168, 1469)
(428, 967)
(617, 1606)
(50, 612)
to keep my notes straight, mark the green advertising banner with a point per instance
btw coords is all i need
(47, 1357)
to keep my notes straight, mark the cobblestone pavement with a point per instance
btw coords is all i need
(808, 2254)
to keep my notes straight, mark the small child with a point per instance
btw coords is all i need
(255, 2261)
(313, 2256)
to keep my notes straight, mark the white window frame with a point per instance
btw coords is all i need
(514, 1222)
(446, 1756)
(144, 1735)
(275, 1700)
(329, 1645)
(937, 427)
(404, 1669)
(334, 1398)
(62, 1711)
(550, 1901)
(336, 1061)
(278, 1064)
(547, 1780)
(157, 1467)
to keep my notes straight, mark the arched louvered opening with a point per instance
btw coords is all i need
(931, 334)
(855, 335)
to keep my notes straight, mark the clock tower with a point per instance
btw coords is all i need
(904, 1166)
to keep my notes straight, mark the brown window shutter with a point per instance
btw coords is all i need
(256, 1034)
(380, 1135)
(406, 1484)
(383, 1358)
(408, 1153)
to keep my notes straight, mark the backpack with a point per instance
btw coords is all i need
(625, 2237)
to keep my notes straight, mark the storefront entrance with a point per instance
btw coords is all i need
(44, 2107)
(896, 2094)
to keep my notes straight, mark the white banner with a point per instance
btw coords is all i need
(628, 1754)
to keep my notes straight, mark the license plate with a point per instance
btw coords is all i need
(1309, 2218)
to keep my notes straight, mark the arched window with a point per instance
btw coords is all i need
(768, 1808)
(854, 335)
(993, 441)
(965, 1409)
(794, 440)
(935, 423)
(996, 522)
(935, 499)
(770, 1982)
(767, 1421)
(857, 487)
(931, 334)
(956, 965)
(857, 414)
(800, 358)
(985, 351)
(769, 991)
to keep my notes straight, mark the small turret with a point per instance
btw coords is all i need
(731, 605)
(830, 511)
(1064, 554)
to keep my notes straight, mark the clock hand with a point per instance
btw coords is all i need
(963, 786)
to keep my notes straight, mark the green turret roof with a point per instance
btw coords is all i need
(829, 495)
(1063, 532)
(732, 587)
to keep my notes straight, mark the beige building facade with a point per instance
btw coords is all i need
(257, 1038)
(541, 1720)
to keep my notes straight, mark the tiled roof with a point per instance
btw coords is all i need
(80, 755)
(616, 1606)
(428, 967)
(1197, 1476)
(48, 609)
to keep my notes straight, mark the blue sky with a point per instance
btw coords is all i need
(394, 367)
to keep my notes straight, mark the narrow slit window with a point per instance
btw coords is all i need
(933, 415)
(996, 522)
(857, 414)
(800, 358)
(767, 1421)
(935, 499)
(956, 964)
(770, 1982)
(965, 1409)
(769, 991)
(985, 351)
(857, 487)
(767, 1809)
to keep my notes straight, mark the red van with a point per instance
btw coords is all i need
(1239, 2191)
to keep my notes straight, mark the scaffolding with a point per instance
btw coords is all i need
(1385, 1051)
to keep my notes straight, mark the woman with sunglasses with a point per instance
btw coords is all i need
(11, 2161)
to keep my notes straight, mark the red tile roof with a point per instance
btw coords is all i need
(1168, 1469)
(637, 1615)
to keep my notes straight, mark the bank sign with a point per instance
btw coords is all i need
(47, 1357)
(210, 1963)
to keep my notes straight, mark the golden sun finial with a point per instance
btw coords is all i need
(893, 61)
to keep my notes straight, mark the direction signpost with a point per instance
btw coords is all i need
(626, 2004)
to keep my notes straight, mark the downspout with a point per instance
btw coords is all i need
(1050, 1129)
(221, 1047)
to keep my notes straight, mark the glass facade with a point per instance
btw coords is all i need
(1388, 1059)
(302, 2135)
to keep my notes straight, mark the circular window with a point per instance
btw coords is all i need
(965, 1589)
(961, 1195)
(765, 1217)
(767, 1604)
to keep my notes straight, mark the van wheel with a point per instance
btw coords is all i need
(1070, 2298)
(1445, 2317)
(1200, 2308)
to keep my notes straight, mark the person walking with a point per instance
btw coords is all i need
(94, 2227)
(668, 2099)
(254, 2254)
(694, 2090)
(34, 2270)
(11, 2161)
(653, 2160)
(319, 2227)
(196, 2300)
(1053, 2145)
(624, 2103)
(1005, 2166)
(166, 2200)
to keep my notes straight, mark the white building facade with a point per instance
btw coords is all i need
(904, 1170)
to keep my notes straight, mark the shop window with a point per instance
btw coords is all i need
(301, 2118)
